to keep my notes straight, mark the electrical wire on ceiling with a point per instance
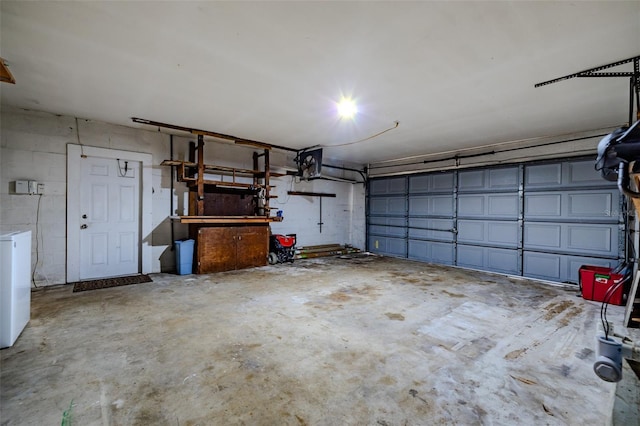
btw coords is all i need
(395, 126)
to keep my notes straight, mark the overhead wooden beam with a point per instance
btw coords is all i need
(312, 194)
(237, 140)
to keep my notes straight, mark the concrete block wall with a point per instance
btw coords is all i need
(34, 147)
(342, 217)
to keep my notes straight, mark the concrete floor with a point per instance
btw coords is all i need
(366, 341)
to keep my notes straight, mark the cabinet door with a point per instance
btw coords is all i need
(216, 250)
(252, 246)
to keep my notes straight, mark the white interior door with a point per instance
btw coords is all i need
(109, 217)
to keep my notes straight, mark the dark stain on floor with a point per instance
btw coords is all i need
(394, 316)
(555, 308)
(448, 293)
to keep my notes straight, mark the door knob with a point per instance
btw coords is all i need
(84, 216)
(83, 226)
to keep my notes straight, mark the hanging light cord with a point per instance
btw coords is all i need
(395, 126)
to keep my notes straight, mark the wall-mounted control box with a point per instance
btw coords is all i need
(29, 187)
(22, 187)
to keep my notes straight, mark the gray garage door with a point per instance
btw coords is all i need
(540, 220)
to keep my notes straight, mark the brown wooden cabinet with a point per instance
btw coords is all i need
(225, 248)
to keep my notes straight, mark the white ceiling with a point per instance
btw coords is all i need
(454, 74)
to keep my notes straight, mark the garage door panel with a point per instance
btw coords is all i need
(543, 175)
(387, 220)
(387, 226)
(541, 265)
(421, 183)
(386, 231)
(503, 205)
(387, 206)
(504, 178)
(490, 206)
(437, 229)
(431, 251)
(558, 267)
(388, 186)
(591, 239)
(501, 260)
(503, 233)
(471, 205)
(470, 257)
(582, 173)
(436, 205)
(378, 206)
(488, 259)
(593, 205)
(442, 253)
(442, 182)
(441, 206)
(489, 233)
(542, 206)
(471, 180)
(439, 182)
(388, 245)
(419, 206)
(543, 236)
(586, 205)
(568, 174)
(471, 231)
(496, 179)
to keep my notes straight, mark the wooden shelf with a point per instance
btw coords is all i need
(194, 182)
(226, 190)
(229, 220)
(272, 174)
(213, 168)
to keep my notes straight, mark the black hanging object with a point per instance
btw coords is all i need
(616, 152)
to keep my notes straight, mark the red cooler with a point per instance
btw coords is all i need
(597, 280)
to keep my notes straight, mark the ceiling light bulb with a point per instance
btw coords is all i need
(347, 108)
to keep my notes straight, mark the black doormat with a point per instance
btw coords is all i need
(110, 282)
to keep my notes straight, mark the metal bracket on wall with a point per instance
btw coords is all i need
(634, 88)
